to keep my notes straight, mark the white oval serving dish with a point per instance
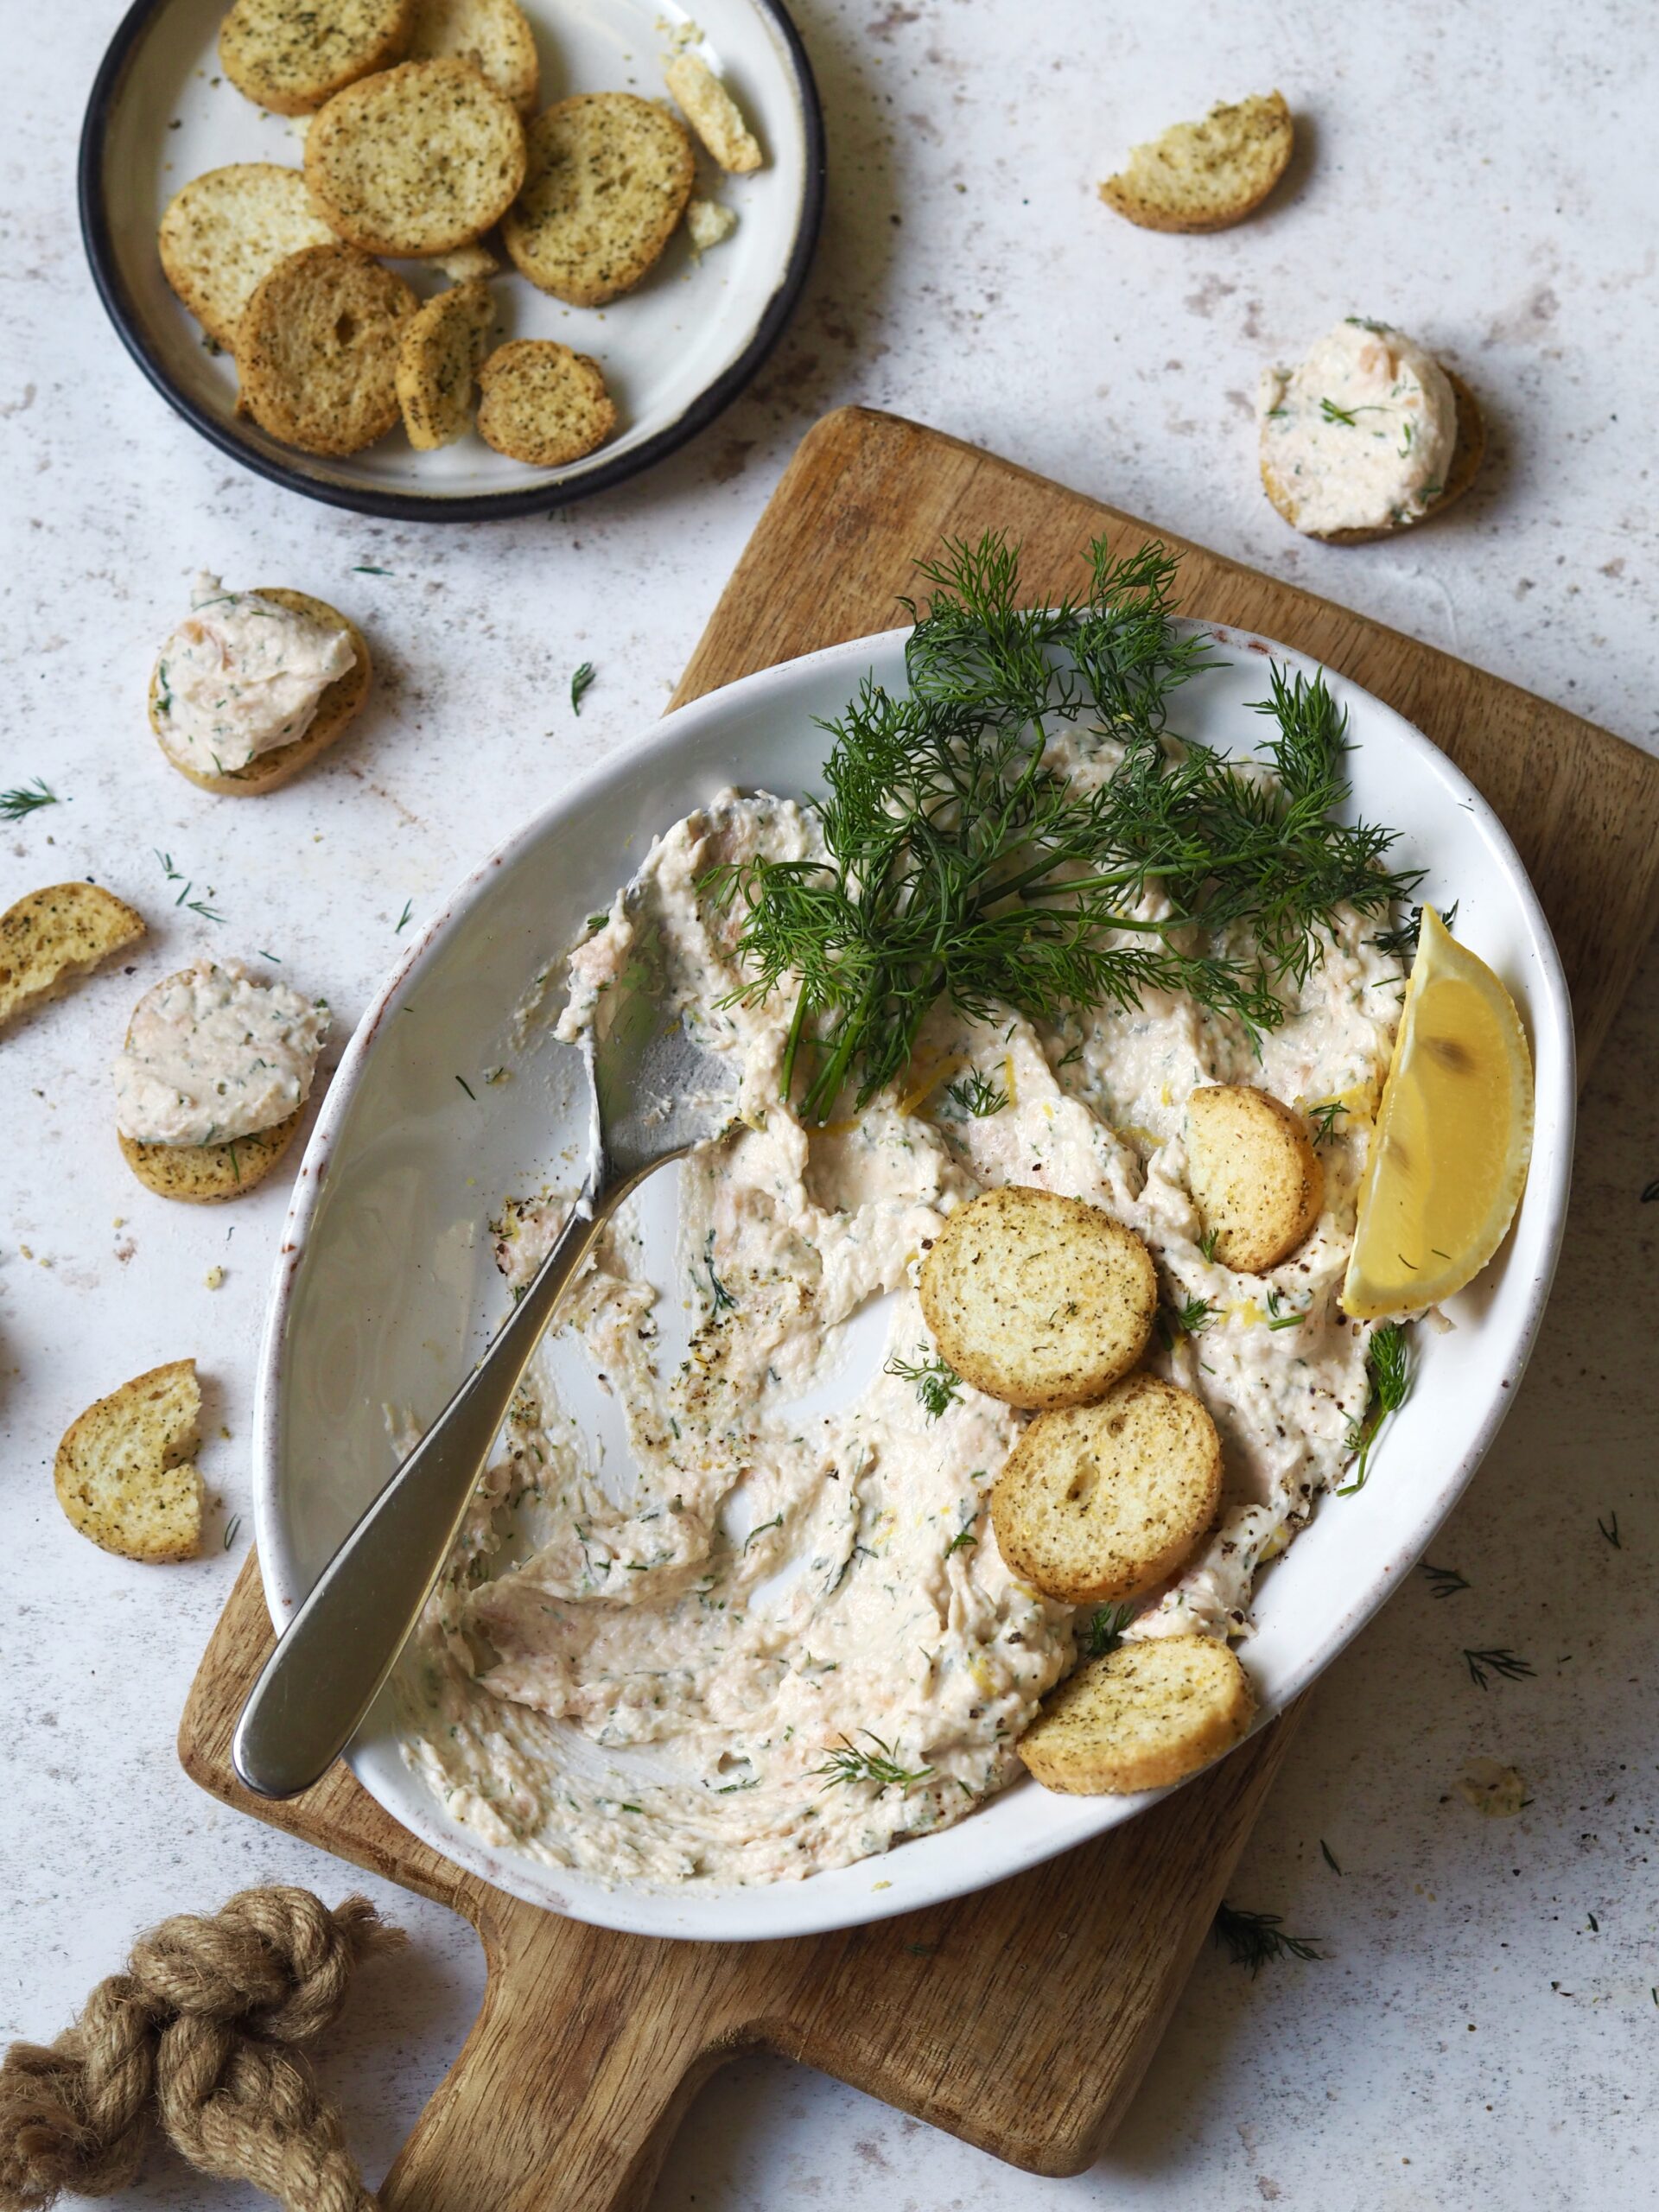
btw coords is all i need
(386, 1288)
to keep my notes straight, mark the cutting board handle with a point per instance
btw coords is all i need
(577, 2072)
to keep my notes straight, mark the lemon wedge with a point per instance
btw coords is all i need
(1453, 1136)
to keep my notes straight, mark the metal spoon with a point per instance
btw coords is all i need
(656, 1092)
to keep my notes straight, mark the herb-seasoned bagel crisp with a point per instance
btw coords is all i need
(291, 55)
(417, 160)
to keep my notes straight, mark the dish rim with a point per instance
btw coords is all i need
(763, 1915)
(98, 244)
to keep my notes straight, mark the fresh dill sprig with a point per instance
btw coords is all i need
(1329, 412)
(580, 684)
(1402, 942)
(1276, 1319)
(1507, 1664)
(722, 1297)
(848, 1762)
(960, 864)
(965, 1536)
(976, 1095)
(1193, 1316)
(1445, 1581)
(1390, 1372)
(403, 918)
(1254, 1938)
(26, 799)
(1322, 1118)
(1609, 1530)
(1207, 1243)
(937, 1382)
(1103, 1631)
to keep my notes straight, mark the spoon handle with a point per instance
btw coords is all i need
(334, 1656)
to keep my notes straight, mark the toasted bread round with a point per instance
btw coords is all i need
(1149, 1714)
(438, 362)
(1253, 1174)
(1101, 1503)
(226, 230)
(713, 114)
(1038, 1300)
(207, 1174)
(122, 1471)
(419, 160)
(291, 55)
(51, 939)
(542, 403)
(491, 35)
(1208, 175)
(608, 179)
(316, 352)
(1468, 451)
(340, 704)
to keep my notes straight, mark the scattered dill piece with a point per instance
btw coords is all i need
(1445, 1581)
(960, 864)
(1390, 1372)
(580, 684)
(1610, 1529)
(365, 569)
(1650, 1192)
(937, 1382)
(273, 958)
(1506, 1664)
(1330, 1856)
(1367, 322)
(467, 1088)
(199, 906)
(596, 922)
(1329, 412)
(1207, 1244)
(236, 1160)
(1402, 942)
(728, 1789)
(1193, 1316)
(964, 1537)
(1105, 1630)
(1323, 1117)
(722, 1299)
(1276, 1319)
(26, 798)
(776, 1523)
(976, 1096)
(1254, 1938)
(403, 918)
(848, 1762)
(232, 1526)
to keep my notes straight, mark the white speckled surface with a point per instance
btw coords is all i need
(1478, 177)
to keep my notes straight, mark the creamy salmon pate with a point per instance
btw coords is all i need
(657, 1674)
(241, 676)
(1359, 435)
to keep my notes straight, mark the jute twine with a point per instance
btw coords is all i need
(203, 2035)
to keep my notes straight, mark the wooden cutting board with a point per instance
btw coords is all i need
(1022, 2018)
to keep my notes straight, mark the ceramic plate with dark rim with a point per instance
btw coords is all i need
(675, 351)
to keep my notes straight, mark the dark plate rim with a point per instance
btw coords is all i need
(415, 507)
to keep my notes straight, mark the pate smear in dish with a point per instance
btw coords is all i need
(784, 1639)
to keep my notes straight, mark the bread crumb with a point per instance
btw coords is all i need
(1496, 1791)
(707, 223)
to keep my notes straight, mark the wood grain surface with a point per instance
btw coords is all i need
(1021, 2018)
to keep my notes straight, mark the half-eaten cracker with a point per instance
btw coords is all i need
(51, 939)
(124, 1474)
